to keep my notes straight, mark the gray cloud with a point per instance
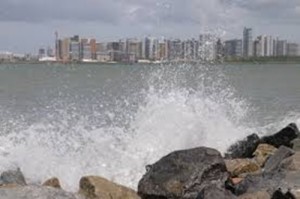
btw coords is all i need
(117, 18)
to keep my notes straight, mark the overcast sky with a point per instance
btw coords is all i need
(26, 25)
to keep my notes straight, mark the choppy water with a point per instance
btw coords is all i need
(112, 120)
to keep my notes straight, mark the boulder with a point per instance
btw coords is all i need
(274, 162)
(15, 177)
(262, 153)
(292, 180)
(236, 167)
(94, 187)
(263, 181)
(215, 192)
(291, 163)
(296, 144)
(36, 192)
(52, 182)
(256, 195)
(283, 137)
(183, 174)
(244, 148)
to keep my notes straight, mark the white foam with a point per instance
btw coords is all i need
(170, 118)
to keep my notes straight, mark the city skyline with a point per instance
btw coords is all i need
(30, 24)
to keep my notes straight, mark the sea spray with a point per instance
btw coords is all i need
(115, 129)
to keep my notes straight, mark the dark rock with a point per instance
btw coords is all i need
(252, 183)
(12, 177)
(289, 195)
(36, 192)
(244, 148)
(274, 162)
(283, 137)
(278, 194)
(183, 174)
(215, 192)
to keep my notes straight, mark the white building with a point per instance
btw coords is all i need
(207, 47)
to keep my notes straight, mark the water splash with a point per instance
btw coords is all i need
(166, 108)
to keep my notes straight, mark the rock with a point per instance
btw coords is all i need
(183, 174)
(274, 162)
(236, 181)
(236, 167)
(214, 192)
(12, 177)
(263, 152)
(256, 195)
(283, 137)
(99, 188)
(296, 144)
(291, 163)
(278, 194)
(292, 180)
(244, 148)
(35, 192)
(53, 182)
(264, 181)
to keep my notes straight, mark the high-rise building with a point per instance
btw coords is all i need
(233, 48)
(66, 50)
(281, 48)
(190, 49)
(175, 49)
(292, 49)
(85, 50)
(247, 42)
(75, 48)
(134, 47)
(259, 46)
(93, 44)
(163, 50)
(207, 47)
(268, 42)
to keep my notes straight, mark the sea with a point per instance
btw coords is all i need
(112, 120)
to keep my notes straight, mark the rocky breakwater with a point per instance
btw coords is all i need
(253, 168)
(14, 186)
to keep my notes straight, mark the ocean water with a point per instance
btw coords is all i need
(111, 120)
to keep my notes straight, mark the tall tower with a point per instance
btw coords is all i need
(247, 42)
(57, 46)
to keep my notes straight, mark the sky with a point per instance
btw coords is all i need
(26, 25)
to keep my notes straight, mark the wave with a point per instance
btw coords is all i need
(169, 108)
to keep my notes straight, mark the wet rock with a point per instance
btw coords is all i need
(236, 167)
(296, 144)
(12, 177)
(36, 192)
(274, 162)
(292, 180)
(278, 194)
(244, 148)
(256, 195)
(290, 195)
(183, 174)
(215, 192)
(264, 181)
(53, 182)
(95, 187)
(291, 163)
(263, 152)
(283, 137)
